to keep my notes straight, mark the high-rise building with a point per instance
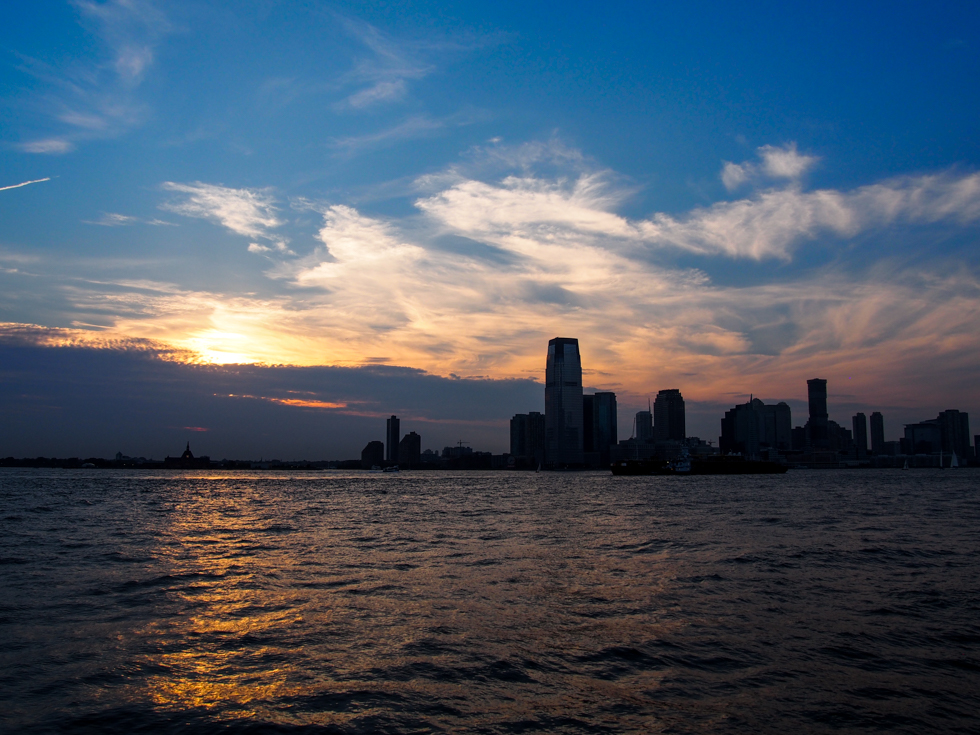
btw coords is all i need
(954, 429)
(750, 427)
(564, 425)
(588, 423)
(877, 433)
(372, 455)
(924, 437)
(644, 426)
(392, 436)
(860, 425)
(410, 450)
(605, 425)
(668, 416)
(527, 434)
(817, 425)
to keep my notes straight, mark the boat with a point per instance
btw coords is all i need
(735, 464)
(393, 468)
(954, 463)
(641, 467)
(724, 465)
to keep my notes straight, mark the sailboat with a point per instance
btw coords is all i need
(906, 464)
(954, 463)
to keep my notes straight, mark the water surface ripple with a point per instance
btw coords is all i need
(489, 602)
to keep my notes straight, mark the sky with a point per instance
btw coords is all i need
(267, 225)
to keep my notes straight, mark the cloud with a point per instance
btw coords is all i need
(773, 222)
(785, 162)
(248, 212)
(385, 91)
(385, 71)
(48, 145)
(776, 163)
(131, 28)
(97, 98)
(111, 219)
(528, 214)
(414, 127)
(64, 396)
(24, 183)
(489, 267)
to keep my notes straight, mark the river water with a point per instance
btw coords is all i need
(421, 602)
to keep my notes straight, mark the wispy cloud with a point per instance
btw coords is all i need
(251, 213)
(417, 126)
(111, 219)
(385, 71)
(48, 145)
(24, 183)
(98, 98)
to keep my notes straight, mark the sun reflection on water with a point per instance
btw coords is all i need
(339, 606)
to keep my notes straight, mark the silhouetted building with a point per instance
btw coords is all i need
(752, 427)
(187, 461)
(817, 425)
(860, 425)
(799, 438)
(372, 455)
(564, 424)
(954, 432)
(588, 421)
(840, 439)
(644, 426)
(392, 437)
(922, 438)
(668, 416)
(410, 450)
(527, 437)
(877, 434)
(604, 425)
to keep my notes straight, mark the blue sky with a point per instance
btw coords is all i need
(729, 199)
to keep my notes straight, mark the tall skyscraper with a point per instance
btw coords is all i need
(817, 425)
(860, 425)
(605, 425)
(644, 426)
(392, 436)
(564, 426)
(954, 427)
(668, 416)
(877, 433)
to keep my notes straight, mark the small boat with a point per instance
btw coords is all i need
(954, 463)
(393, 468)
(906, 464)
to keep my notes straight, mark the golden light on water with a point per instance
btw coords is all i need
(267, 614)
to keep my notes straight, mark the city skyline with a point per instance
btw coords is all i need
(252, 199)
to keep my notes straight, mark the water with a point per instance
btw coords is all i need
(489, 603)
